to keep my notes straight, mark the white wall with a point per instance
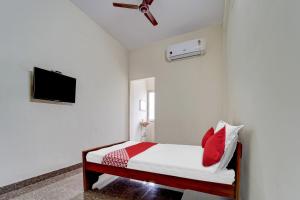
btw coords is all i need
(150, 129)
(263, 43)
(36, 137)
(190, 92)
(150, 84)
(138, 91)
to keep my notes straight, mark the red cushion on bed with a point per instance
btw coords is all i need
(210, 132)
(214, 148)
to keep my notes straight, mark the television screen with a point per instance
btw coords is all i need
(53, 86)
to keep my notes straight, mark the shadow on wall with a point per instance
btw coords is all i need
(247, 137)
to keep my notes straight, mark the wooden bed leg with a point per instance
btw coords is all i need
(89, 178)
(238, 171)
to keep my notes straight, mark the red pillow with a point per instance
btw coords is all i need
(207, 135)
(214, 148)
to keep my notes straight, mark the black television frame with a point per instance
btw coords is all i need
(52, 99)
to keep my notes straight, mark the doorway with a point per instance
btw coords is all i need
(142, 110)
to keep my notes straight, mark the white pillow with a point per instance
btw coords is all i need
(231, 140)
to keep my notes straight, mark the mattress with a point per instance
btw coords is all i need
(170, 159)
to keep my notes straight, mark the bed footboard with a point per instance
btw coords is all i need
(90, 177)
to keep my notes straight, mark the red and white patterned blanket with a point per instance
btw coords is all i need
(120, 158)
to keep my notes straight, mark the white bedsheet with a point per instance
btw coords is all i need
(176, 160)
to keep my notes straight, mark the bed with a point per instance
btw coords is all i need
(172, 165)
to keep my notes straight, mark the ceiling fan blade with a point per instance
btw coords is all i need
(149, 2)
(151, 18)
(124, 5)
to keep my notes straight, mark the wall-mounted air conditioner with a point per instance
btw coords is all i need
(186, 49)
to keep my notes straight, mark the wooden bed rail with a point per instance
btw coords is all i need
(102, 147)
(91, 172)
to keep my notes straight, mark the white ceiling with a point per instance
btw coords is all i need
(133, 30)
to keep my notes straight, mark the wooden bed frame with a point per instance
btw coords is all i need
(92, 171)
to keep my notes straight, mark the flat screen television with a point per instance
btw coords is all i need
(53, 86)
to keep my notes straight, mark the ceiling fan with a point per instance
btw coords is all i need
(143, 7)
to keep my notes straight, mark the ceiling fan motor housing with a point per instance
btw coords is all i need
(144, 8)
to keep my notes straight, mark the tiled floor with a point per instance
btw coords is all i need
(69, 187)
